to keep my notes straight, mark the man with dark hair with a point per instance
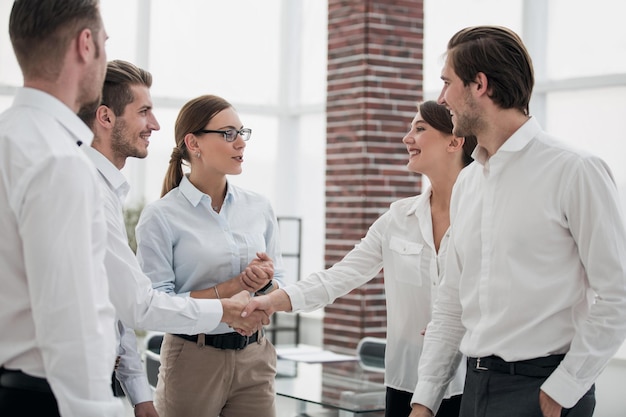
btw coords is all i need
(122, 125)
(535, 286)
(57, 346)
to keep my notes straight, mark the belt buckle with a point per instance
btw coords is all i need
(240, 342)
(478, 367)
(244, 341)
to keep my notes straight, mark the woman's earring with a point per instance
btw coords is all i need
(197, 154)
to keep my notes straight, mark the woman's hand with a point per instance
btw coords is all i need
(258, 273)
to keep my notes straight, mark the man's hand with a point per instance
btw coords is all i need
(549, 407)
(258, 273)
(418, 410)
(145, 409)
(233, 308)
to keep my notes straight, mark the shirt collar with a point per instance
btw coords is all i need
(30, 97)
(195, 196)
(521, 137)
(114, 176)
(421, 210)
(516, 142)
(420, 204)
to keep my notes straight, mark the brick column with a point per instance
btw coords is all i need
(374, 84)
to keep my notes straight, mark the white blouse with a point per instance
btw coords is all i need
(401, 242)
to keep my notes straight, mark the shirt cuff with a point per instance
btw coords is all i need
(428, 395)
(211, 314)
(563, 389)
(138, 390)
(296, 297)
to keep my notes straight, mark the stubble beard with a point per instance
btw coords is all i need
(469, 122)
(465, 126)
(121, 143)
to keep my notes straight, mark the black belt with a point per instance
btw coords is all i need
(233, 340)
(14, 379)
(539, 367)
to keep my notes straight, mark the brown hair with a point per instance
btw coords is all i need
(438, 116)
(116, 92)
(41, 32)
(500, 54)
(193, 116)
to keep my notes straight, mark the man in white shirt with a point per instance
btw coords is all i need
(123, 124)
(535, 285)
(57, 345)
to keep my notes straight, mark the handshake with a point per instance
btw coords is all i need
(247, 314)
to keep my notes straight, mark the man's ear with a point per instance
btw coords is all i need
(105, 117)
(482, 83)
(85, 44)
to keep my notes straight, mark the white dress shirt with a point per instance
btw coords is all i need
(400, 242)
(184, 245)
(138, 305)
(536, 265)
(56, 318)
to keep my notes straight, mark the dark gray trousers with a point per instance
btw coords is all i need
(17, 403)
(498, 394)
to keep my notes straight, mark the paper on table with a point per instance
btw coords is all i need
(312, 355)
(300, 349)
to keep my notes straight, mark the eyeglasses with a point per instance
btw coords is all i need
(230, 135)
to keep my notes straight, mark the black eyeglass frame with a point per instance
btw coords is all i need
(245, 133)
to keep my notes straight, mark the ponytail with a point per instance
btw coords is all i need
(174, 174)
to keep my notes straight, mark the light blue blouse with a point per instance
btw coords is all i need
(184, 245)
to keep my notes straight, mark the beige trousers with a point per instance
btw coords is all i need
(202, 381)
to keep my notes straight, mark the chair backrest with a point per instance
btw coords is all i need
(152, 356)
(153, 342)
(371, 353)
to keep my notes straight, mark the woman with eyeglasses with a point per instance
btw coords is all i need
(409, 242)
(207, 238)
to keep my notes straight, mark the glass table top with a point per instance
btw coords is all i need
(341, 385)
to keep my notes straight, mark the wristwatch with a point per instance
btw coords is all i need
(267, 289)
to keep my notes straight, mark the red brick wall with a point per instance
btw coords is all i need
(374, 84)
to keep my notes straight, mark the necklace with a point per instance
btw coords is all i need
(217, 204)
